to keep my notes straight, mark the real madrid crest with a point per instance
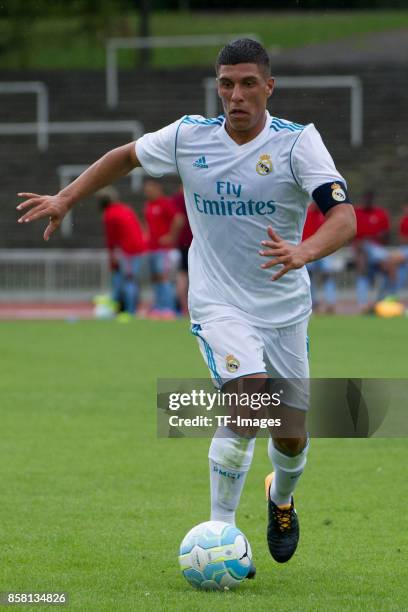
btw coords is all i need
(232, 363)
(338, 193)
(264, 165)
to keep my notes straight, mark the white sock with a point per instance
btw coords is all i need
(230, 459)
(287, 471)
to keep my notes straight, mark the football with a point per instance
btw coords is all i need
(215, 556)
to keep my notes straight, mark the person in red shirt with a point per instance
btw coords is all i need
(403, 240)
(403, 227)
(373, 230)
(324, 266)
(126, 245)
(314, 219)
(160, 214)
(373, 222)
(181, 234)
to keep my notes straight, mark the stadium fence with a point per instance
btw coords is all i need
(40, 127)
(75, 275)
(302, 82)
(155, 42)
(135, 128)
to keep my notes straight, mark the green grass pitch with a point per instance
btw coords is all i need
(93, 503)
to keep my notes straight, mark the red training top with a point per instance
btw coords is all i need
(314, 219)
(159, 215)
(185, 236)
(123, 229)
(371, 223)
(403, 227)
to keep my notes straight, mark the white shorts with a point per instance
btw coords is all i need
(233, 348)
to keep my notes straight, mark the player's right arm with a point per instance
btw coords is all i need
(112, 166)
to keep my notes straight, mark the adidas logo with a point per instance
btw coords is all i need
(200, 163)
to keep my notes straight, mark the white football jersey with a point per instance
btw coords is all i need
(232, 193)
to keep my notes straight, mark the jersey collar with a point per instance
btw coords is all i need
(231, 142)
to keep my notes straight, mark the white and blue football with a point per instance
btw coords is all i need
(215, 556)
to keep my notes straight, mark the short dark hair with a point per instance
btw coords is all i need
(244, 51)
(107, 196)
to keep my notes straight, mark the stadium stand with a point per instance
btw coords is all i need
(80, 96)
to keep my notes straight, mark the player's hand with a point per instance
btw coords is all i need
(282, 252)
(41, 206)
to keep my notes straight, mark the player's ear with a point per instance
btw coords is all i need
(217, 80)
(270, 84)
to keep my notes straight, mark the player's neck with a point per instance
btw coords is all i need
(243, 136)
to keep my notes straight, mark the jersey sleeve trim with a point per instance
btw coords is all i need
(175, 145)
(290, 156)
(156, 151)
(311, 163)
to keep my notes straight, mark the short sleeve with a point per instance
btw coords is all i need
(156, 150)
(312, 164)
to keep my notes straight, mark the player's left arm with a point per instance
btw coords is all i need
(314, 172)
(338, 229)
(154, 151)
(113, 165)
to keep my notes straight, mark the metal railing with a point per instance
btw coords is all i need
(58, 275)
(154, 42)
(40, 90)
(135, 128)
(69, 275)
(301, 82)
(75, 275)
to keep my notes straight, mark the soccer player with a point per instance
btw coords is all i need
(126, 244)
(248, 178)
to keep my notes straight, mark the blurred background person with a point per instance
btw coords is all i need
(182, 235)
(403, 248)
(371, 256)
(126, 245)
(160, 215)
(321, 267)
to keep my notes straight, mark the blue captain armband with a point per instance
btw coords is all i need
(330, 194)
